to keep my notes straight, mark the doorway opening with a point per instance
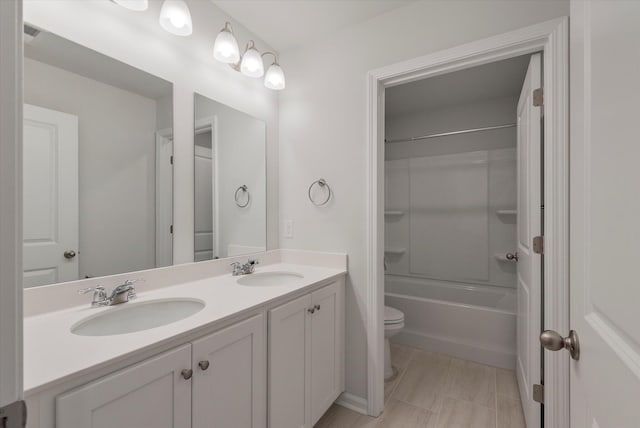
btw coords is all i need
(462, 206)
(453, 265)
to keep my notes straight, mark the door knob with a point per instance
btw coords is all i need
(204, 364)
(512, 256)
(69, 254)
(552, 341)
(186, 374)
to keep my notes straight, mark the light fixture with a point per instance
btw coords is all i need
(176, 18)
(251, 64)
(274, 79)
(137, 5)
(225, 49)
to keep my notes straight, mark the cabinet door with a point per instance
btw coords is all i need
(151, 394)
(289, 371)
(327, 348)
(230, 377)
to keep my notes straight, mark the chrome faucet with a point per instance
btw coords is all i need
(120, 294)
(244, 269)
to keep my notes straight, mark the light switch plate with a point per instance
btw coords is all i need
(288, 229)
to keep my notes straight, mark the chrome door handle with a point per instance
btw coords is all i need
(512, 256)
(69, 254)
(552, 341)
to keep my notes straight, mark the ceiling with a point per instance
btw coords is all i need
(285, 24)
(490, 81)
(61, 53)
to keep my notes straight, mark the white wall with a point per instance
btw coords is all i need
(137, 39)
(323, 126)
(116, 166)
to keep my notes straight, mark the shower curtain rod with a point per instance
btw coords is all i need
(445, 134)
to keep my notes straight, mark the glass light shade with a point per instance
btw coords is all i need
(274, 79)
(251, 64)
(176, 18)
(137, 5)
(225, 49)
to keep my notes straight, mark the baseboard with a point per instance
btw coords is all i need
(353, 402)
(468, 351)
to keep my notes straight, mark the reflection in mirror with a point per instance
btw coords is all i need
(98, 179)
(230, 182)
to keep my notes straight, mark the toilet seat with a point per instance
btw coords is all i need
(392, 316)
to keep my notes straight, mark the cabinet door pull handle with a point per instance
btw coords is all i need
(311, 310)
(186, 374)
(317, 307)
(203, 364)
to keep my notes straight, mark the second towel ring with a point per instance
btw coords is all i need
(322, 183)
(244, 189)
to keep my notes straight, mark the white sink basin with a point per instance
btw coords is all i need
(131, 317)
(266, 279)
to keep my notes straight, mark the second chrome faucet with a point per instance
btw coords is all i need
(244, 269)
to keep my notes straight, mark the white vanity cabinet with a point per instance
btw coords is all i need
(230, 377)
(306, 357)
(151, 394)
(219, 380)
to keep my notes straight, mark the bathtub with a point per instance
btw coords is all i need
(469, 321)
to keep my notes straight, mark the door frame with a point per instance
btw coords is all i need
(210, 124)
(552, 38)
(164, 204)
(11, 35)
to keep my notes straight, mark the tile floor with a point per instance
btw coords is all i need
(438, 391)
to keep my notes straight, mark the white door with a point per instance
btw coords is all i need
(289, 365)
(230, 377)
(11, 30)
(529, 225)
(152, 394)
(604, 206)
(327, 354)
(50, 196)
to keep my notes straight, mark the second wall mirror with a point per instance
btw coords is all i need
(230, 182)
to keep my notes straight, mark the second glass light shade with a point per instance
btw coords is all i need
(176, 18)
(225, 48)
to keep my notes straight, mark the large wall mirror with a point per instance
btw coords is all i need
(98, 175)
(230, 181)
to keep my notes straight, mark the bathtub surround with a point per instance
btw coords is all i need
(335, 133)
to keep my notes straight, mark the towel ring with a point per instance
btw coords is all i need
(237, 196)
(322, 183)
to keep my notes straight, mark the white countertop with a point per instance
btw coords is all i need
(52, 353)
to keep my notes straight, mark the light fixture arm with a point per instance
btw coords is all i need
(275, 57)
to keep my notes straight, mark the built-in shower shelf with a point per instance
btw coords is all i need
(395, 251)
(393, 213)
(507, 212)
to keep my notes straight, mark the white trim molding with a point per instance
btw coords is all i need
(551, 38)
(11, 34)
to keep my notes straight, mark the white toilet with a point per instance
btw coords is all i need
(393, 323)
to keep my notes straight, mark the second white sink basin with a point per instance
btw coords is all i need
(266, 279)
(132, 317)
